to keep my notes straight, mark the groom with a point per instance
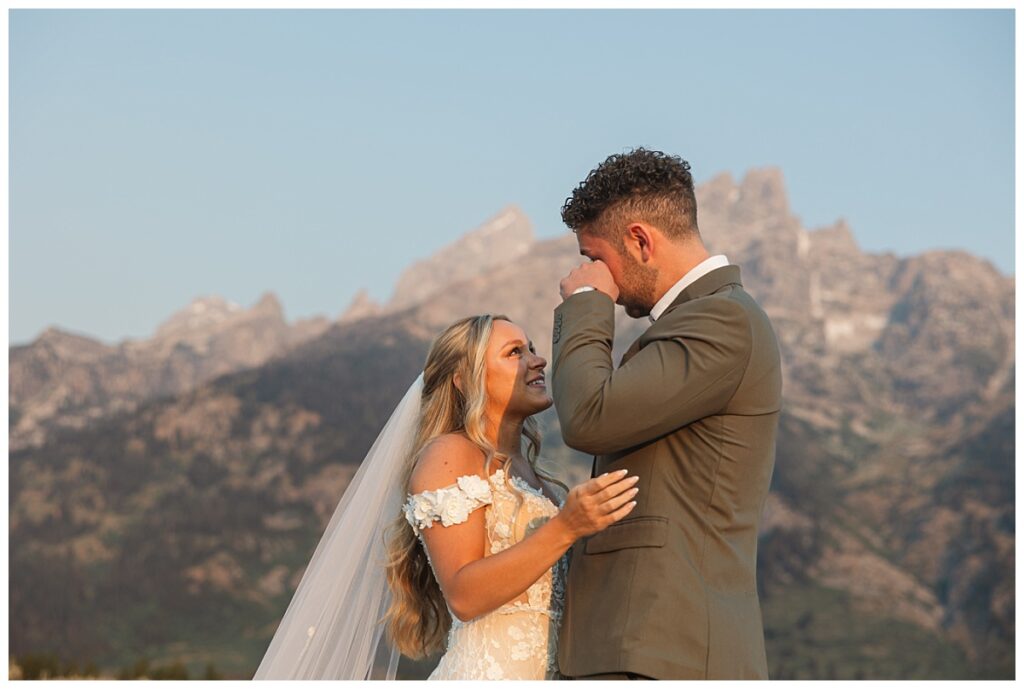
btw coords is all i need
(669, 591)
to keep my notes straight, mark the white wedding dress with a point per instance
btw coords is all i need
(518, 640)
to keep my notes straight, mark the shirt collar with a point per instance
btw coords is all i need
(702, 268)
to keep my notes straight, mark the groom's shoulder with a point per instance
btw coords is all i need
(726, 309)
(442, 460)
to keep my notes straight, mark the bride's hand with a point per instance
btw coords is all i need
(593, 505)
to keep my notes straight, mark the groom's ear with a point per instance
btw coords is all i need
(641, 240)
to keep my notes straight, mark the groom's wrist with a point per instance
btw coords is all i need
(587, 301)
(584, 288)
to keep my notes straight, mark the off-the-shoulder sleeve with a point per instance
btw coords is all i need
(451, 504)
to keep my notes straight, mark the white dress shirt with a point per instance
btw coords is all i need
(705, 266)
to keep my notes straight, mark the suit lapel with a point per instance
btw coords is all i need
(702, 286)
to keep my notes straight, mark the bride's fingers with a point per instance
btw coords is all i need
(622, 512)
(599, 483)
(612, 504)
(616, 488)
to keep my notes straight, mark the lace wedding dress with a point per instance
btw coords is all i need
(518, 640)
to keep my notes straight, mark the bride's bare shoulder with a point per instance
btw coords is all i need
(443, 460)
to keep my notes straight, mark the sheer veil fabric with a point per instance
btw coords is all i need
(332, 629)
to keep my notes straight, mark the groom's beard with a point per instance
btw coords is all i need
(637, 291)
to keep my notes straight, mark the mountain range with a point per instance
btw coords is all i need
(166, 494)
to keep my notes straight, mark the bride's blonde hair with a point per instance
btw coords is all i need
(417, 621)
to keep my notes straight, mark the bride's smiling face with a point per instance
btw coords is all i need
(515, 382)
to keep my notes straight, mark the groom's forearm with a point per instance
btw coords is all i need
(581, 362)
(685, 369)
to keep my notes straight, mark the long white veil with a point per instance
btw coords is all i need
(331, 629)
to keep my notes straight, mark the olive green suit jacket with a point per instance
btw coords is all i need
(670, 590)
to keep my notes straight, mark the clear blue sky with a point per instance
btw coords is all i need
(157, 156)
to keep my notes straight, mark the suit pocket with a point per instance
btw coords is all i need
(638, 532)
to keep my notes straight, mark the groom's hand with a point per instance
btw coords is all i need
(595, 274)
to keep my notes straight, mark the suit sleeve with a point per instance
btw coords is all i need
(691, 362)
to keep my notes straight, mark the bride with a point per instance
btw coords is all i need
(408, 550)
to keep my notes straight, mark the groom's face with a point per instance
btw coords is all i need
(635, 281)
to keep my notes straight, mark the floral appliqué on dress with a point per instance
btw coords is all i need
(519, 640)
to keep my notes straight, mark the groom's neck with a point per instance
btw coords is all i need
(675, 261)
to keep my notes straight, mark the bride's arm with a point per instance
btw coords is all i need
(474, 584)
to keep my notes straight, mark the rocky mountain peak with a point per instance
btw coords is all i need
(212, 313)
(734, 216)
(500, 239)
(764, 189)
(716, 194)
(361, 306)
(268, 306)
(70, 345)
(955, 270)
(201, 313)
(834, 239)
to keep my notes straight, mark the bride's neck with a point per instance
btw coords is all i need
(506, 435)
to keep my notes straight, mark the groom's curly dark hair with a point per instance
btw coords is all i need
(640, 184)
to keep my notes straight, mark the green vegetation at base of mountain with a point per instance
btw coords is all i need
(49, 665)
(814, 632)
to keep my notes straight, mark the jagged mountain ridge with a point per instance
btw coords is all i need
(505, 237)
(67, 380)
